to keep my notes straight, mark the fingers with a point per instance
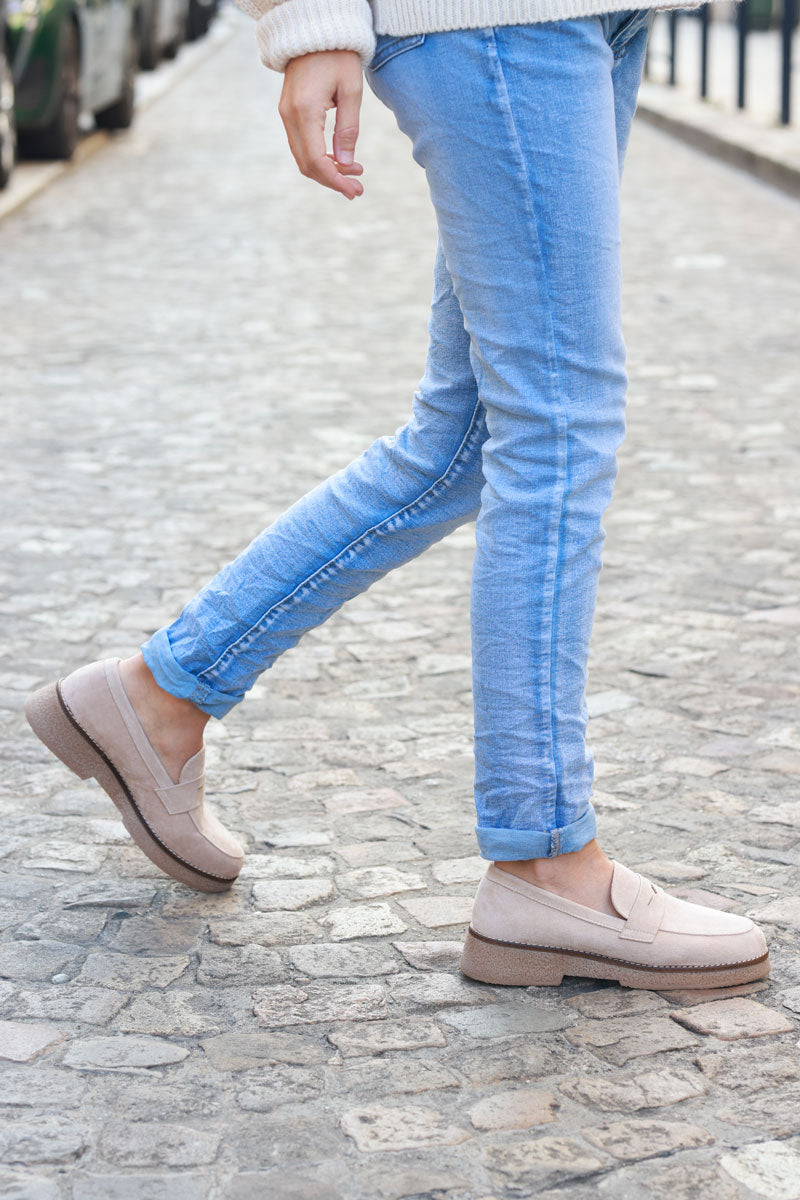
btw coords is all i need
(345, 130)
(313, 84)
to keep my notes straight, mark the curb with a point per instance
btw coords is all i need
(770, 154)
(155, 87)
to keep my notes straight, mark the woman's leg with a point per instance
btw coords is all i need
(402, 494)
(521, 131)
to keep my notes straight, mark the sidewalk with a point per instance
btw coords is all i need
(752, 138)
(199, 336)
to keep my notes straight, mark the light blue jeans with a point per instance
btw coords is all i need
(517, 420)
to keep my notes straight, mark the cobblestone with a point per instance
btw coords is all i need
(189, 351)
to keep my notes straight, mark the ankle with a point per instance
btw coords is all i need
(146, 694)
(589, 860)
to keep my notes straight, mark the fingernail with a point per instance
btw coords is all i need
(346, 157)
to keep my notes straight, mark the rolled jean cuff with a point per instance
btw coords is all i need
(171, 676)
(507, 845)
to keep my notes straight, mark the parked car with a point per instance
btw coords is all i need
(69, 56)
(162, 30)
(8, 125)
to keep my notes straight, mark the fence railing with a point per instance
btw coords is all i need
(749, 16)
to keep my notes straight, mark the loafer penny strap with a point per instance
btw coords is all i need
(644, 919)
(182, 797)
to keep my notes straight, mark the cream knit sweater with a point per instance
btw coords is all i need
(286, 29)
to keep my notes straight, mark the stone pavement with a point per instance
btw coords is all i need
(198, 336)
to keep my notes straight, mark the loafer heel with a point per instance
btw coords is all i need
(46, 717)
(491, 962)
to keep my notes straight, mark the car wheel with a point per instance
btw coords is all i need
(8, 125)
(119, 115)
(149, 52)
(60, 137)
(198, 21)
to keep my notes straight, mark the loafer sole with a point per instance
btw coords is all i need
(490, 961)
(53, 723)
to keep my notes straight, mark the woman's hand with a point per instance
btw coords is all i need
(312, 84)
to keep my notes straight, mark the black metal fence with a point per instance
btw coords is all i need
(750, 15)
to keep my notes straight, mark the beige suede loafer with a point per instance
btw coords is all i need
(88, 721)
(524, 935)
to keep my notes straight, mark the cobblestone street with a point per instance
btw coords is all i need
(198, 335)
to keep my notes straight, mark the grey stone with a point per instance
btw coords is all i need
(507, 1020)
(378, 854)
(647, 1137)
(131, 972)
(170, 1014)
(749, 1067)
(772, 1114)
(158, 1144)
(264, 1140)
(122, 1053)
(436, 912)
(278, 1086)
(376, 1127)
(71, 925)
(369, 882)
(539, 1162)
(460, 870)
(342, 961)
(172, 1186)
(44, 1088)
(784, 912)
(357, 1040)
(281, 866)
(619, 1039)
(38, 960)
(437, 989)
(149, 934)
(521, 1061)
(20, 1042)
(109, 893)
(28, 1187)
(650, 1089)
(247, 1051)
(615, 1002)
(283, 1004)
(233, 966)
(68, 1002)
(291, 894)
(50, 1139)
(770, 1169)
(265, 929)
(257, 1185)
(732, 1019)
(364, 920)
(431, 956)
(518, 1109)
(389, 1076)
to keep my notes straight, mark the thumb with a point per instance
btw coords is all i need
(345, 130)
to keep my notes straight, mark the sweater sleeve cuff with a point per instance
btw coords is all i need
(290, 28)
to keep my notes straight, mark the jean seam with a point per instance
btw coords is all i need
(551, 575)
(450, 472)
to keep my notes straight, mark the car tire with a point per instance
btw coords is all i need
(60, 137)
(149, 50)
(119, 115)
(8, 124)
(198, 20)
